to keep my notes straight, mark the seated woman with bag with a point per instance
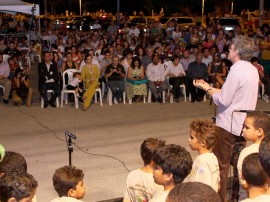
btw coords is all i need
(136, 82)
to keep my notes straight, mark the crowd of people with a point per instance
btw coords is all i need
(131, 61)
(168, 172)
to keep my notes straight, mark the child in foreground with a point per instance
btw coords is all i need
(205, 168)
(68, 183)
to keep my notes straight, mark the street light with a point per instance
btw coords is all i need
(80, 3)
(202, 10)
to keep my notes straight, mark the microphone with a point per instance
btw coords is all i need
(71, 135)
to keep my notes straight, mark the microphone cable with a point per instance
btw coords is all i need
(63, 140)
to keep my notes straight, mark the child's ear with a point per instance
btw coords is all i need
(203, 143)
(12, 200)
(169, 177)
(71, 193)
(260, 132)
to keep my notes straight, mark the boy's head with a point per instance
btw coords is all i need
(17, 188)
(68, 181)
(254, 61)
(148, 147)
(76, 74)
(256, 126)
(264, 155)
(193, 192)
(253, 172)
(172, 164)
(13, 163)
(203, 133)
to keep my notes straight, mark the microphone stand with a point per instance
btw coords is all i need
(70, 148)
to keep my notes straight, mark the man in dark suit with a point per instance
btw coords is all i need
(48, 80)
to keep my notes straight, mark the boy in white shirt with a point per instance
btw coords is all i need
(74, 83)
(254, 176)
(255, 127)
(205, 168)
(140, 182)
(172, 164)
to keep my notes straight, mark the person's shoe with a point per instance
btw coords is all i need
(84, 108)
(115, 101)
(265, 98)
(159, 99)
(199, 99)
(154, 99)
(192, 100)
(52, 104)
(46, 105)
(177, 99)
(5, 101)
(120, 100)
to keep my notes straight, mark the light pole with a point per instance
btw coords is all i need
(232, 8)
(80, 3)
(118, 13)
(202, 10)
(261, 13)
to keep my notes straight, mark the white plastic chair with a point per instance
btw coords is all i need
(49, 92)
(150, 96)
(183, 91)
(69, 72)
(204, 97)
(98, 90)
(109, 96)
(130, 100)
(3, 88)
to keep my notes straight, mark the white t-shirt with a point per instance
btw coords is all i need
(207, 60)
(161, 197)
(141, 186)
(261, 198)
(65, 199)
(176, 70)
(253, 148)
(205, 169)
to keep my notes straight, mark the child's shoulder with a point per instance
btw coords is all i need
(65, 199)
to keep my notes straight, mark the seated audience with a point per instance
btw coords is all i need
(22, 90)
(48, 80)
(115, 74)
(136, 82)
(155, 73)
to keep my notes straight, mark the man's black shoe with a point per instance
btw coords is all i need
(45, 105)
(52, 104)
(199, 99)
(192, 100)
(154, 99)
(159, 99)
(5, 101)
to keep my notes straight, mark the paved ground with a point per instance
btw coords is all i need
(116, 131)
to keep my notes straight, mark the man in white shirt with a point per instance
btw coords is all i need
(155, 73)
(4, 81)
(207, 58)
(134, 30)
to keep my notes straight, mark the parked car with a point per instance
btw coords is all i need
(142, 22)
(183, 22)
(228, 23)
(87, 23)
(74, 23)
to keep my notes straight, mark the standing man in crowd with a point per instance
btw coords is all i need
(239, 92)
(4, 81)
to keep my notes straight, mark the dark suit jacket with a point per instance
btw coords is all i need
(45, 75)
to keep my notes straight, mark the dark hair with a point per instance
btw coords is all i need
(174, 57)
(76, 73)
(205, 131)
(16, 186)
(134, 59)
(45, 52)
(138, 48)
(252, 171)
(254, 59)
(127, 51)
(155, 54)
(264, 154)
(260, 120)
(193, 192)
(66, 178)
(13, 163)
(85, 58)
(174, 159)
(148, 147)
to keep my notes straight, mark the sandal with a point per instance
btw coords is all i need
(84, 108)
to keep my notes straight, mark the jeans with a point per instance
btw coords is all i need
(117, 87)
